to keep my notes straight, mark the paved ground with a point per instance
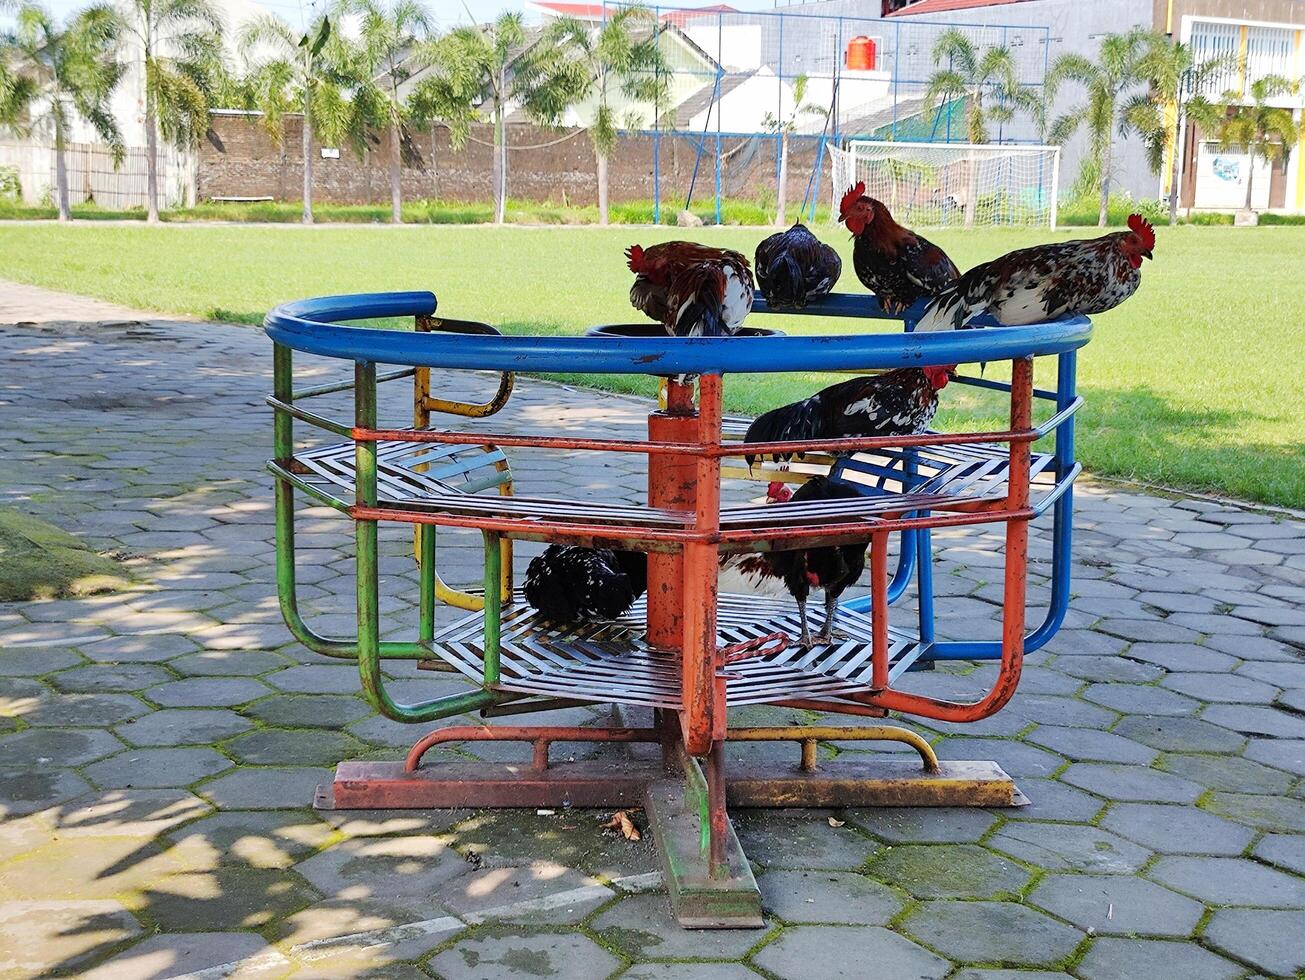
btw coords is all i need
(159, 747)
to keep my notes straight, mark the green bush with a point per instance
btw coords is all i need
(11, 189)
(1084, 210)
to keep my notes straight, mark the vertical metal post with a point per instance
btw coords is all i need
(1017, 531)
(493, 606)
(365, 532)
(879, 610)
(426, 582)
(670, 484)
(718, 818)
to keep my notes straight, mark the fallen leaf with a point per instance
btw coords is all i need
(835, 822)
(621, 821)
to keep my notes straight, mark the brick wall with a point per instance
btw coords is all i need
(240, 159)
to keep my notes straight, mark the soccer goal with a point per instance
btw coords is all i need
(953, 184)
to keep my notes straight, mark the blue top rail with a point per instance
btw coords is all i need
(314, 327)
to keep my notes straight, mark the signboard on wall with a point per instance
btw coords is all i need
(1221, 179)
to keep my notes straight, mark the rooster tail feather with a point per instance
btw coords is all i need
(788, 423)
(785, 283)
(949, 310)
(701, 316)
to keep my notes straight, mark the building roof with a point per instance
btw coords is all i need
(939, 6)
(599, 11)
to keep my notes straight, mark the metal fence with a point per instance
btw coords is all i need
(93, 176)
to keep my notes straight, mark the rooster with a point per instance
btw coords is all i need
(794, 267)
(900, 402)
(571, 584)
(894, 263)
(1047, 282)
(833, 568)
(692, 290)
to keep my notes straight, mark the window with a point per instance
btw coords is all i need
(1268, 52)
(1210, 41)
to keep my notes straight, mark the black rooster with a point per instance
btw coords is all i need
(893, 262)
(833, 568)
(793, 267)
(570, 584)
(900, 402)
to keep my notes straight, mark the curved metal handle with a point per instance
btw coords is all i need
(471, 410)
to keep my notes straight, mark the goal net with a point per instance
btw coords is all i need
(953, 184)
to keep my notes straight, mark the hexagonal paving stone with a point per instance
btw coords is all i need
(149, 648)
(288, 746)
(316, 679)
(1269, 940)
(948, 871)
(1048, 709)
(1256, 720)
(541, 891)
(28, 790)
(1131, 783)
(520, 954)
(110, 677)
(227, 663)
(1010, 975)
(1110, 959)
(157, 768)
(1053, 800)
(84, 868)
(1265, 812)
(1285, 754)
(777, 839)
(1067, 847)
(58, 746)
(85, 710)
(59, 937)
(266, 787)
(178, 953)
(689, 971)
(265, 839)
(1182, 656)
(1178, 734)
(1109, 669)
(129, 813)
(207, 692)
(916, 825)
(398, 870)
(828, 896)
(1142, 699)
(1284, 850)
(1015, 758)
(312, 711)
(1227, 772)
(1117, 905)
(988, 932)
(845, 951)
(1221, 687)
(1230, 881)
(184, 727)
(1177, 829)
(226, 898)
(1085, 744)
(34, 661)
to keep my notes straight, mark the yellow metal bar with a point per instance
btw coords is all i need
(836, 733)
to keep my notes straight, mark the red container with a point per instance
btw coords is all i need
(860, 54)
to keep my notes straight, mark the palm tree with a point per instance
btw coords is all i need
(1107, 79)
(1159, 115)
(620, 57)
(376, 65)
(1265, 131)
(297, 70)
(973, 76)
(785, 126)
(16, 90)
(496, 62)
(74, 70)
(181, 41)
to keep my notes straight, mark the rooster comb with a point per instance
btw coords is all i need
(778, 490)
(854, 192)
(1142, 229)
(634, 258)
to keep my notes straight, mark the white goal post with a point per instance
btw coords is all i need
(953, 184)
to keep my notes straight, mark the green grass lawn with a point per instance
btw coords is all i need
(1195, 382)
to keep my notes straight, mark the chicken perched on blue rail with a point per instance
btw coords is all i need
(572, 584)
(834, 568)
(692, 290)
(897, 265)
(897, 403)
(1047, 282)
(795, 267)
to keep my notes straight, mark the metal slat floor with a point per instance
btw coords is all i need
(610, 662)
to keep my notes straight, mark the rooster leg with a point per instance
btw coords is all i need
(826, 634)
(805, 639)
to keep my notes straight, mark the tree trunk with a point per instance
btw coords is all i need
(151, 160)
(781, 198)
(61, 173)
(1250, 176)
(602, 187)
(500, 165)
(1104, 212)
(308, 164)
(396, 188)
(972, 193)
